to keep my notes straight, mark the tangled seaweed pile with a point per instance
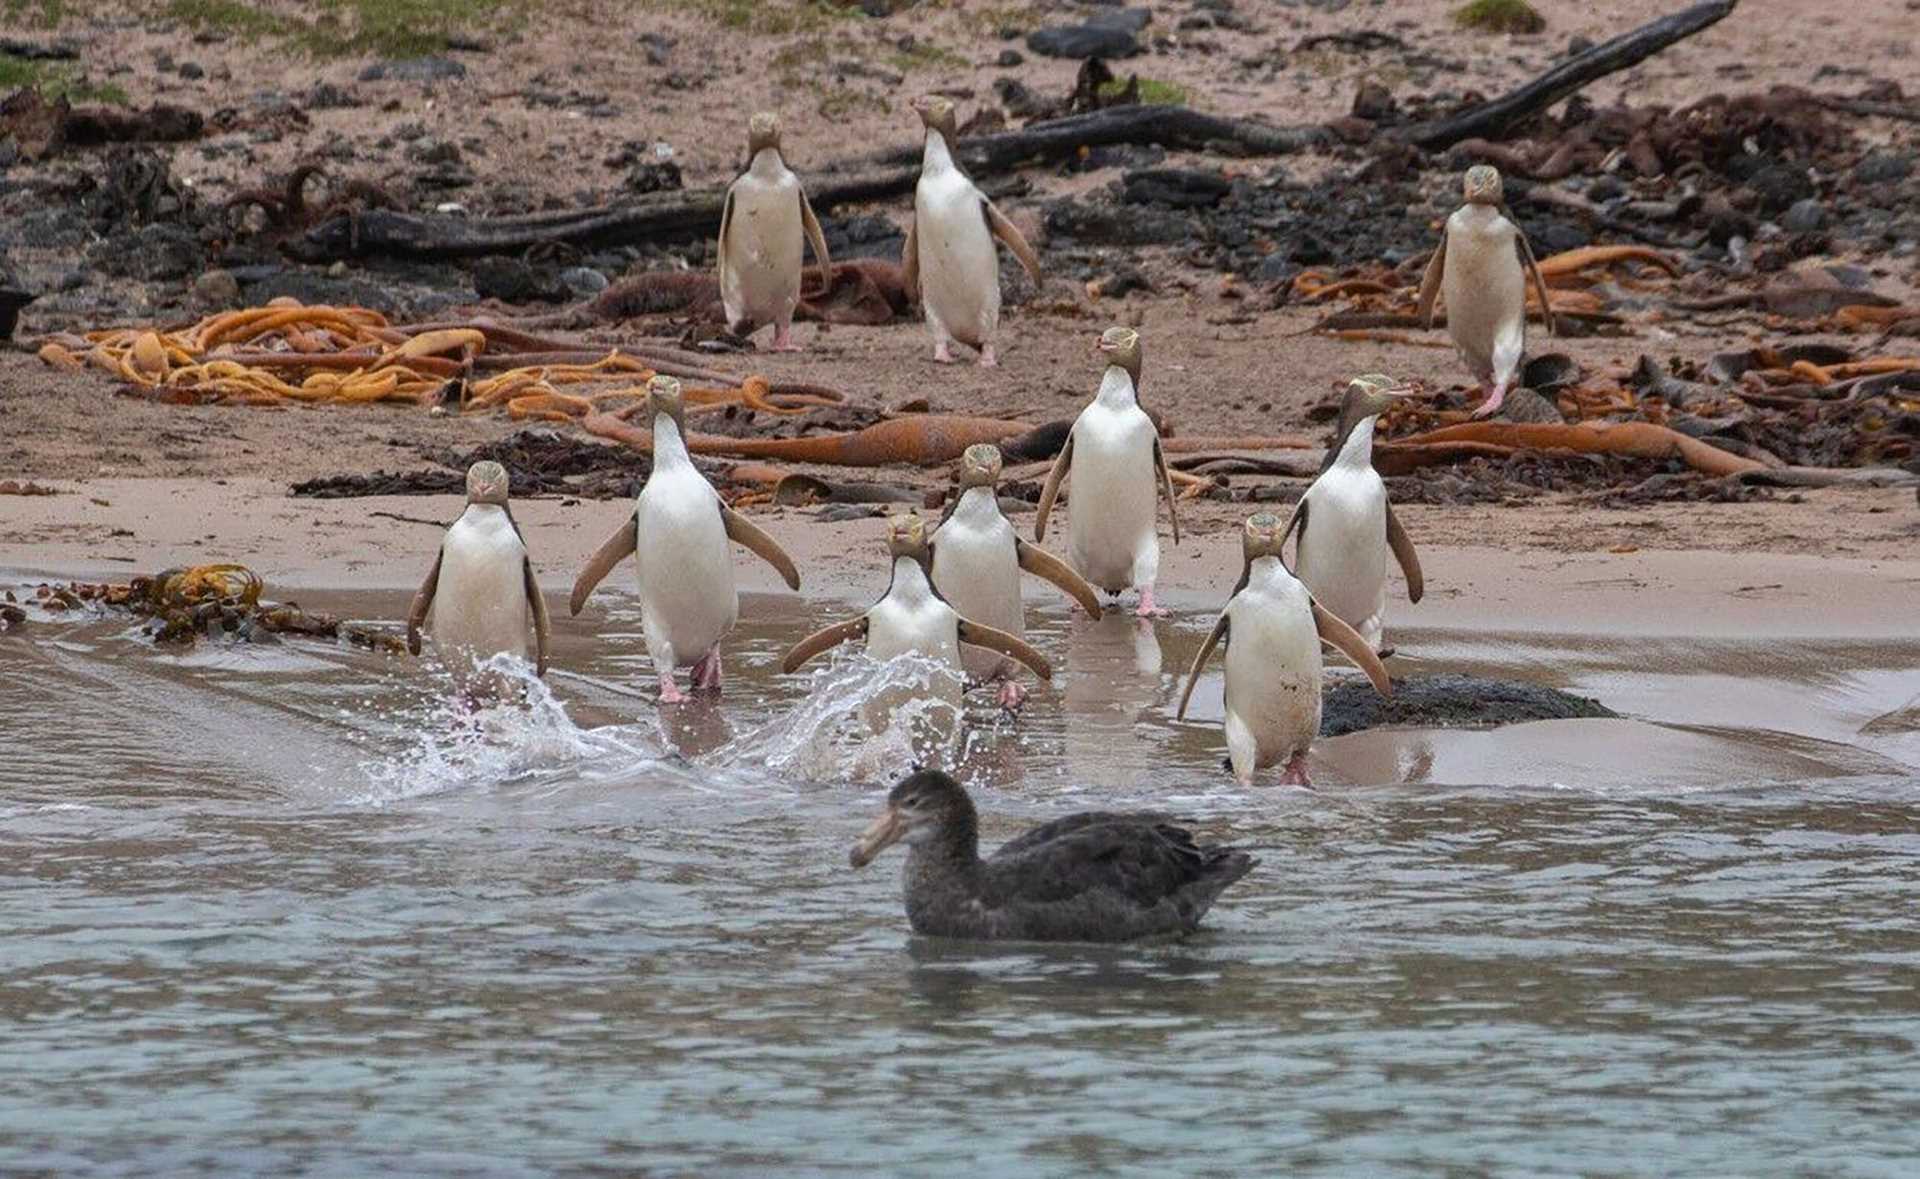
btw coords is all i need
(183, 605)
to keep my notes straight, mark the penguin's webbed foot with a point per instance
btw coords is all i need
(783, 340)
(943, 353)
(706, 672)
(1491, 405)
(1147, 609)
(987, 357)
(1011, 696)
(1296, 772)
(670, 692)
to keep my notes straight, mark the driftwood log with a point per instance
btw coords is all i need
(1492, 119)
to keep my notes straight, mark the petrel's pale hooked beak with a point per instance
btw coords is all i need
(881, 834)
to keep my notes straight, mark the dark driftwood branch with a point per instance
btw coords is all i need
(677, 216)
(1491, 119)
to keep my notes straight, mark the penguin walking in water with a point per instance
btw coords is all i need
(481, 592)
(1273, 629)
(977, 561)
(1346, 525)
(1482, 266)
(949, 261)
(678, 536)
(913, 617)
(1113, 456)
(762, 225)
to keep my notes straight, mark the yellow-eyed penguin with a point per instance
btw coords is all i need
(481, 591)
(977, 559)
(949, 261)
(762, 224)
(912, 617)
(1113, 455)
(1346, 524)
(1273, 630)
(678, 536)
(1482, 265)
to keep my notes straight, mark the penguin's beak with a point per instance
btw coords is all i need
(881, 834)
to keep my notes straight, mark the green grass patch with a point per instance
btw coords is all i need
(46, 13)
(346, 28)
(57, 80)
(770, 18)
(1151, 91)
(924, 56)
(1499, 16)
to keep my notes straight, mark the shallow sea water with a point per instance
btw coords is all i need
(271, 909)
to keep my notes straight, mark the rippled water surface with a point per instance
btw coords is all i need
(272, 910)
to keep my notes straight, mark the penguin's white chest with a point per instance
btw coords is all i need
(760, 261)
(1112, 497)
(480, 607)
(687, 595)
(976, 563)
(1273, 666)
(959, 270)
(1485, 290)
(1343, 554)
(911, 619)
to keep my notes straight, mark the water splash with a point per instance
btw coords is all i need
(860, 719)
(524, 733)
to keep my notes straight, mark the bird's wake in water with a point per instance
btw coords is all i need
(525, 733)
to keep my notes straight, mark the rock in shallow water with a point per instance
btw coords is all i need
(1449, 701)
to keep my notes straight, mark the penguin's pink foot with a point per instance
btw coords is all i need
(706, 672)
(1491, 405)
(987, 358)
(1296, 772)
(1012, 696)
(670, 692)
(783, 339)
(943, 353)
(1147, 609)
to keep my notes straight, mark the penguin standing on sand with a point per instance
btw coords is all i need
(1346, 524)
(678, 536)
(481, 592)
(762, 225)
(977, 561)
(949, 261)
(1113, 456)
(1273, 629)
(913, 618)
(1482, 266)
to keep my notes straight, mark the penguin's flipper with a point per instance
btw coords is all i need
(1527, 263)
(1297, 520)
(818, 240)
(1166, 486)
(1041, 563)
(746, 533)
(423, 602)
(726, 223)
(823, 640)
(1009, 233)
(542, 622)
(1050, 491)
(1200, 657)
(1430, 282)
(1348, 642)
(624, 543)
(910, 260)
(1402, 546)
(979, 634)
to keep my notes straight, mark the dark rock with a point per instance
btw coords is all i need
(660, 176)
(1778, 186)
(1804, 216)
(863, 235)
(325, 96)
(191, 71)
(434, 151)
(1882, 166)
(1578, 45)
(1177, 187)
(583, 281)
(1020, 100)
(657, 47)
(1009, 58)
(1276, 268)
(1078, 42)
(1100, 223)
(1133, 20)
(217, 289)
(161, 252)
(414, 69)
(1374, 102)
(512, 280)
(1558, 236)
(1449, 701)
(12, 299)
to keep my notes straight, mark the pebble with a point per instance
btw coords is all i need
(1009, 58)
(1079, 42)
(1804, 216)
(414, 69)
(583, 281)
(216, 289)
(1882, 166)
